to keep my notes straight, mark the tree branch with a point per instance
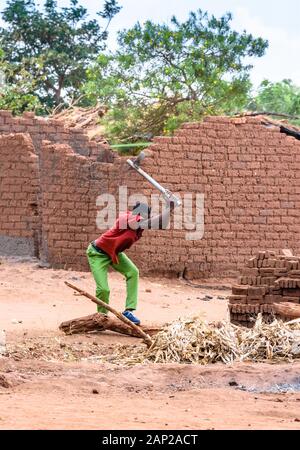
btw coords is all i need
(266, 113)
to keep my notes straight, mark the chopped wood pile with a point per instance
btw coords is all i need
(270, 285)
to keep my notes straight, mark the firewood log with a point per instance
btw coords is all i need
(101, 322)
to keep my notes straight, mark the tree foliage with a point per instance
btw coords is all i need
(54, 45)
(17, 89)
(164, 74)
(281, 97)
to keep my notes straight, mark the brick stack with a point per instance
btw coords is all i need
(267, 280)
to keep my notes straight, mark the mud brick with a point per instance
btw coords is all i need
(272, 298)
(280, 272)
(291, 292)
(254, 301)
(261, 255)
(293, 283)
(256, 291)
(266, 271)
(287, 283)
(264, 308)
(270, 254)
(256, 281)
(279, 282)
(287, 252)
(240, 290)
(251, 272)
(275, 290)
(238, 308)
(280, 264)
(292, 265)
(259, 263)
(294, 274)
(268, 280)
(272, 262)
(269, 263)
(236, 299)
(243, 280)
(294, 259)
(286, 264)
(252, 262)
(244, 309)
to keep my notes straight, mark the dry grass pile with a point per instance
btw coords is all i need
(193, 341)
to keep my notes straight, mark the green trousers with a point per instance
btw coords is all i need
(99, 264)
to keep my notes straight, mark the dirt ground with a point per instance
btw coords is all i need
(52, 381)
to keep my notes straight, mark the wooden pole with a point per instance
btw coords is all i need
(120, 316)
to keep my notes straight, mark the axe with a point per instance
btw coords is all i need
(168, 195)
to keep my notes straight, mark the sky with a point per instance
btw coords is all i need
(277, 21)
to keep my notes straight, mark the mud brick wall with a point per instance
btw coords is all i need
(19, 185)
(44, 215)
(250, 178)
(53, 130)
(70, 185)
(249, 175)
(155, 252)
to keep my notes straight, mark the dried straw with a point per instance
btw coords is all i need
(193, 341)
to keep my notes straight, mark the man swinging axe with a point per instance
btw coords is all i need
(108, 249)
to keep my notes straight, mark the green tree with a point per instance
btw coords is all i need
(164, 74)
(54, 45)
(282, 97)
(17, 89)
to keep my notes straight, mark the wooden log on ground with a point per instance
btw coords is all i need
(120, 316)
(287, 310)
(101, 322)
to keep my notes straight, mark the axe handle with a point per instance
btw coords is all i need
(154, 183)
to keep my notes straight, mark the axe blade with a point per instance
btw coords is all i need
(166, 193)
(137, 161)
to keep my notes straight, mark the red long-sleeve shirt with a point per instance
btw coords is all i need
(120, 237)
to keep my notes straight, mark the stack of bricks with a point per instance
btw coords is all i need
(267, 280)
